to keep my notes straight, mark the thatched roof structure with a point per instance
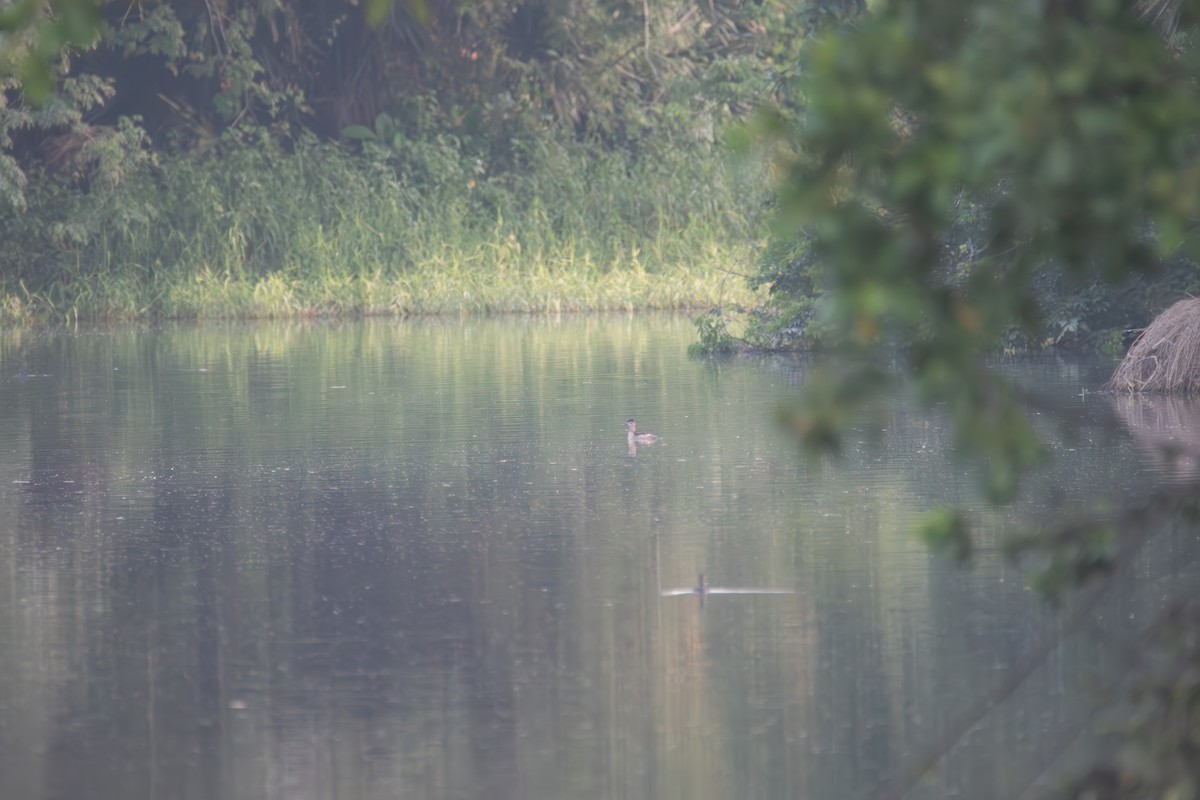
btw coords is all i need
(1166, 357)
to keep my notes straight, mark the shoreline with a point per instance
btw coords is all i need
(210, 296)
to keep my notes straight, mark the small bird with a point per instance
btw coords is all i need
(639, 438)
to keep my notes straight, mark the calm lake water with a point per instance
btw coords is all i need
(418, 560)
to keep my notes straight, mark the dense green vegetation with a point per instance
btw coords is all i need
(1025, 161)
(1069, 136)
(257, 230)
(308, 158)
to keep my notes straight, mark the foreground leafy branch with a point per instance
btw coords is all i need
(1069, 129)
(1076, 133)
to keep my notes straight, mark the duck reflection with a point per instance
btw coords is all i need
(703, 590)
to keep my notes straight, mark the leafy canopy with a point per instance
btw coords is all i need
(1073, 125)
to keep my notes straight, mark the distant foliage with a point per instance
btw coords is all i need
(624, 76)
(546, 122)
(252, 227)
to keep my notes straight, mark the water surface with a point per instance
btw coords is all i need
(418, 559)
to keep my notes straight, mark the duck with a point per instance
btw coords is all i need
(639, 438)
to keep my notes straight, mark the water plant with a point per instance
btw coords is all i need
(264, 227)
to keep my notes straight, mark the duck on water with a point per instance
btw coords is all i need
(639, 438)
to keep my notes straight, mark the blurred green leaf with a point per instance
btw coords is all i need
(358, 132)
(944, 529)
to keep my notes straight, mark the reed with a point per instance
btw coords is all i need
(260, 232)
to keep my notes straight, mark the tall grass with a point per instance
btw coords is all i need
(259, 231)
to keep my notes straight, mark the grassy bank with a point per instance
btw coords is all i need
(257, 229)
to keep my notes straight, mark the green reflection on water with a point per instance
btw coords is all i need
(419, 559)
